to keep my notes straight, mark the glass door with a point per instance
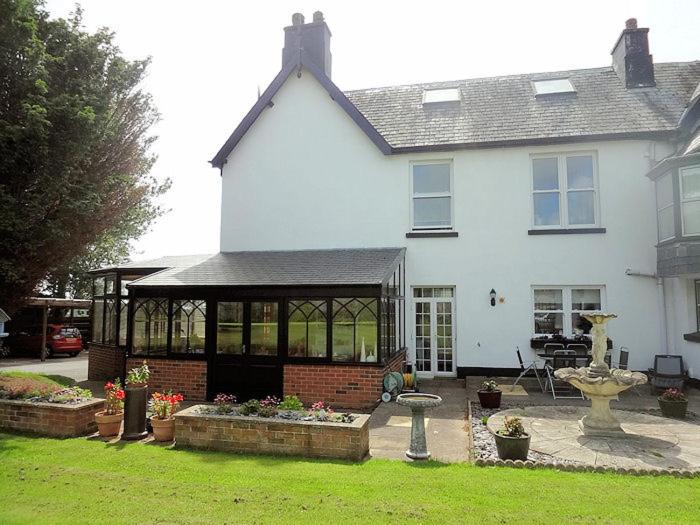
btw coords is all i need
(434, 331)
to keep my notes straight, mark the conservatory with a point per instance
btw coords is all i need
(320, 324)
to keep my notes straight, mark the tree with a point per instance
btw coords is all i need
(74, 151)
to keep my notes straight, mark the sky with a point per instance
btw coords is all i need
(210, 57)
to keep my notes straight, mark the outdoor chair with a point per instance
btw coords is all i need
(562, 389)
(524, 370)
(623, 364)
(582, 357)
(549, 349)
(668, 372)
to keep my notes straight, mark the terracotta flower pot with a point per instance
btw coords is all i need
(163, 429)
(676, 409)
(489, 399)
(512, 447)
(108, 425)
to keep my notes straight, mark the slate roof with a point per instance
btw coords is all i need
(169, 261)
(503, 110)
(341, 267)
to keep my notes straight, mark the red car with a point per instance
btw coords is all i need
(60, 339)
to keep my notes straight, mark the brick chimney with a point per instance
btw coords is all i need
(631, 59)
(314, 38)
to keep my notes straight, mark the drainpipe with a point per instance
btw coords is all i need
(661, 294)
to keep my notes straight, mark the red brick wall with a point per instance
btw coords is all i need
(186, 377)
(50, 419)
(343, 386)
(105, 362)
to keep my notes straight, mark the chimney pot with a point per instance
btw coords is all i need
(297, 19)
(631, 23)
(318, 16)
(314, 39)
(631, 59)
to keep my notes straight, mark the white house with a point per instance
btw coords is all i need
(468, 218)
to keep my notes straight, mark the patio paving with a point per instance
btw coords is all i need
(448, 441)
(650, 442)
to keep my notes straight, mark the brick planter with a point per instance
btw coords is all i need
(50, 419)
(256, 435)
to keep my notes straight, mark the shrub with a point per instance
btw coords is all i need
(26, 387)
(512, 427)
(673, 394)
(267, 411)
(138, 375)
(489, 386)
(291, 403)
(250, 407)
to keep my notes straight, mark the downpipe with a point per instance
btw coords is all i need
(661, 294)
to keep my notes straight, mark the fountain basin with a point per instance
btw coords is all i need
(600, 390)
(419, 400)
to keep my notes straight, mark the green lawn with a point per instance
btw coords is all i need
(80, 481)
(49, 379)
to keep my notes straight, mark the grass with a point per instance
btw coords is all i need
(48, 379)
(82, 481)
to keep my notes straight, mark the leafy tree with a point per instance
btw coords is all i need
(74, 151)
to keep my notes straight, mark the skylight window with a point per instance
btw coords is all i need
(431, 96)
(550, 87)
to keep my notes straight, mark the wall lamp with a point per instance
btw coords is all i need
(492, 294)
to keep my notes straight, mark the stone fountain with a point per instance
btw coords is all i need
(600, 383)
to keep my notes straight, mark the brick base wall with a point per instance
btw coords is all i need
(105, 362)
(253, 435)
(50, 419)
(343, 386)
(186, 377)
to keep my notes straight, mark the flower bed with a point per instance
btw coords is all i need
(201, 427)
(72, 419)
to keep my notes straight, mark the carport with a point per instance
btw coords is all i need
(54, 302)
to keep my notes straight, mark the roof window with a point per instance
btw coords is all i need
(553, 86)
(431, 96)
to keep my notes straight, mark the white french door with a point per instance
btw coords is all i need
(434, 334)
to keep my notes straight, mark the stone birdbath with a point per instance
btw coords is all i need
(600, 383)
(418, 403)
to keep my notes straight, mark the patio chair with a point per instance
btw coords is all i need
(524, 370)
(623, 364)
(668, 372)
(549, 349)
(562, 389)
(582, 357)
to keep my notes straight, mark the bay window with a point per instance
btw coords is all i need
(560, 309)
(690, 199)
(665, 216)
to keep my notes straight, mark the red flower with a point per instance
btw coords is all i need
(119, 394)
(109, 385)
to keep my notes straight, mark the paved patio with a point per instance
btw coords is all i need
(448, 440)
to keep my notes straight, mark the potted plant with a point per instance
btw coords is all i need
(163, 407)
(109, 420)
(673, 403)
(489, 394)
(512, 442)
(135, 402)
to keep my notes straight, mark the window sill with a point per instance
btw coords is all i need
(431, 233)
(693, 337)
(565, 231)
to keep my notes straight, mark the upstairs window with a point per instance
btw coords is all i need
(553, 86)
(564, 191)
(431, 96)
(690, 199)
(665, 216)
(432, 195)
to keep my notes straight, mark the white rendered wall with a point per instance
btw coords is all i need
(306, 176)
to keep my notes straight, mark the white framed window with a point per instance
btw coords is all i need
(431, 191)
(665, 215)
(559, 309)
(690, 199)
(565, 190)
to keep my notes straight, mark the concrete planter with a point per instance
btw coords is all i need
(489, 399)
(256, 435)
(512, 447)
(675, 409)
(50, 419)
